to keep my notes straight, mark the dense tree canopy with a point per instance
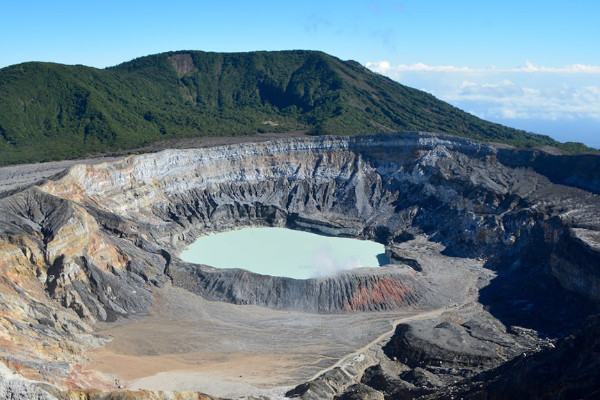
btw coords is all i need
(53, 111)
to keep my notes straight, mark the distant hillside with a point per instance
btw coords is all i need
(53, 111)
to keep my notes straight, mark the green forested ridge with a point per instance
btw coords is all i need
(52, 111)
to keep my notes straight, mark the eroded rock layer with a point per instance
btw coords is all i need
(88, 245)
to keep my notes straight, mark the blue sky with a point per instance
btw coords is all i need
(529, 64)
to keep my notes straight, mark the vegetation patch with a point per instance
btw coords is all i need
(52, 111)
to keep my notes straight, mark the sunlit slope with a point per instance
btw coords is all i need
(53, 111)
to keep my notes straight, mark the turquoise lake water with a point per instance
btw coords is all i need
(283, 252)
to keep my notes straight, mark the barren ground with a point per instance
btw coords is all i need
(188, 343)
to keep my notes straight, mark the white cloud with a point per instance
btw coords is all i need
(526, 92)
(506, 88)
(385, 68)
(325, 262)
(569, 69)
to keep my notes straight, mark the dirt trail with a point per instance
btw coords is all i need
(345, 360)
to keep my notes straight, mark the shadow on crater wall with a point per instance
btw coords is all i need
(535, 300)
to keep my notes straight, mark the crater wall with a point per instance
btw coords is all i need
(92, 241)
(463, 193)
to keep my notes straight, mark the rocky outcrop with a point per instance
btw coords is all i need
(578, 170)
(569, 370)
(60, 244)
(385, 289)
(93, 242)
(444, 344)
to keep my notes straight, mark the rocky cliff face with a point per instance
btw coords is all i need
(374, 187)
(89, 245)
(567, 371)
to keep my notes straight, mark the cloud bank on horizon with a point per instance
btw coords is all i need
(561, 102)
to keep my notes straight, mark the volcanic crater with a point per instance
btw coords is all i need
(493, 256)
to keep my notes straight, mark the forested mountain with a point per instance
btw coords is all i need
(53, 111)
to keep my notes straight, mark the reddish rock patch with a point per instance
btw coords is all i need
(384, 294)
